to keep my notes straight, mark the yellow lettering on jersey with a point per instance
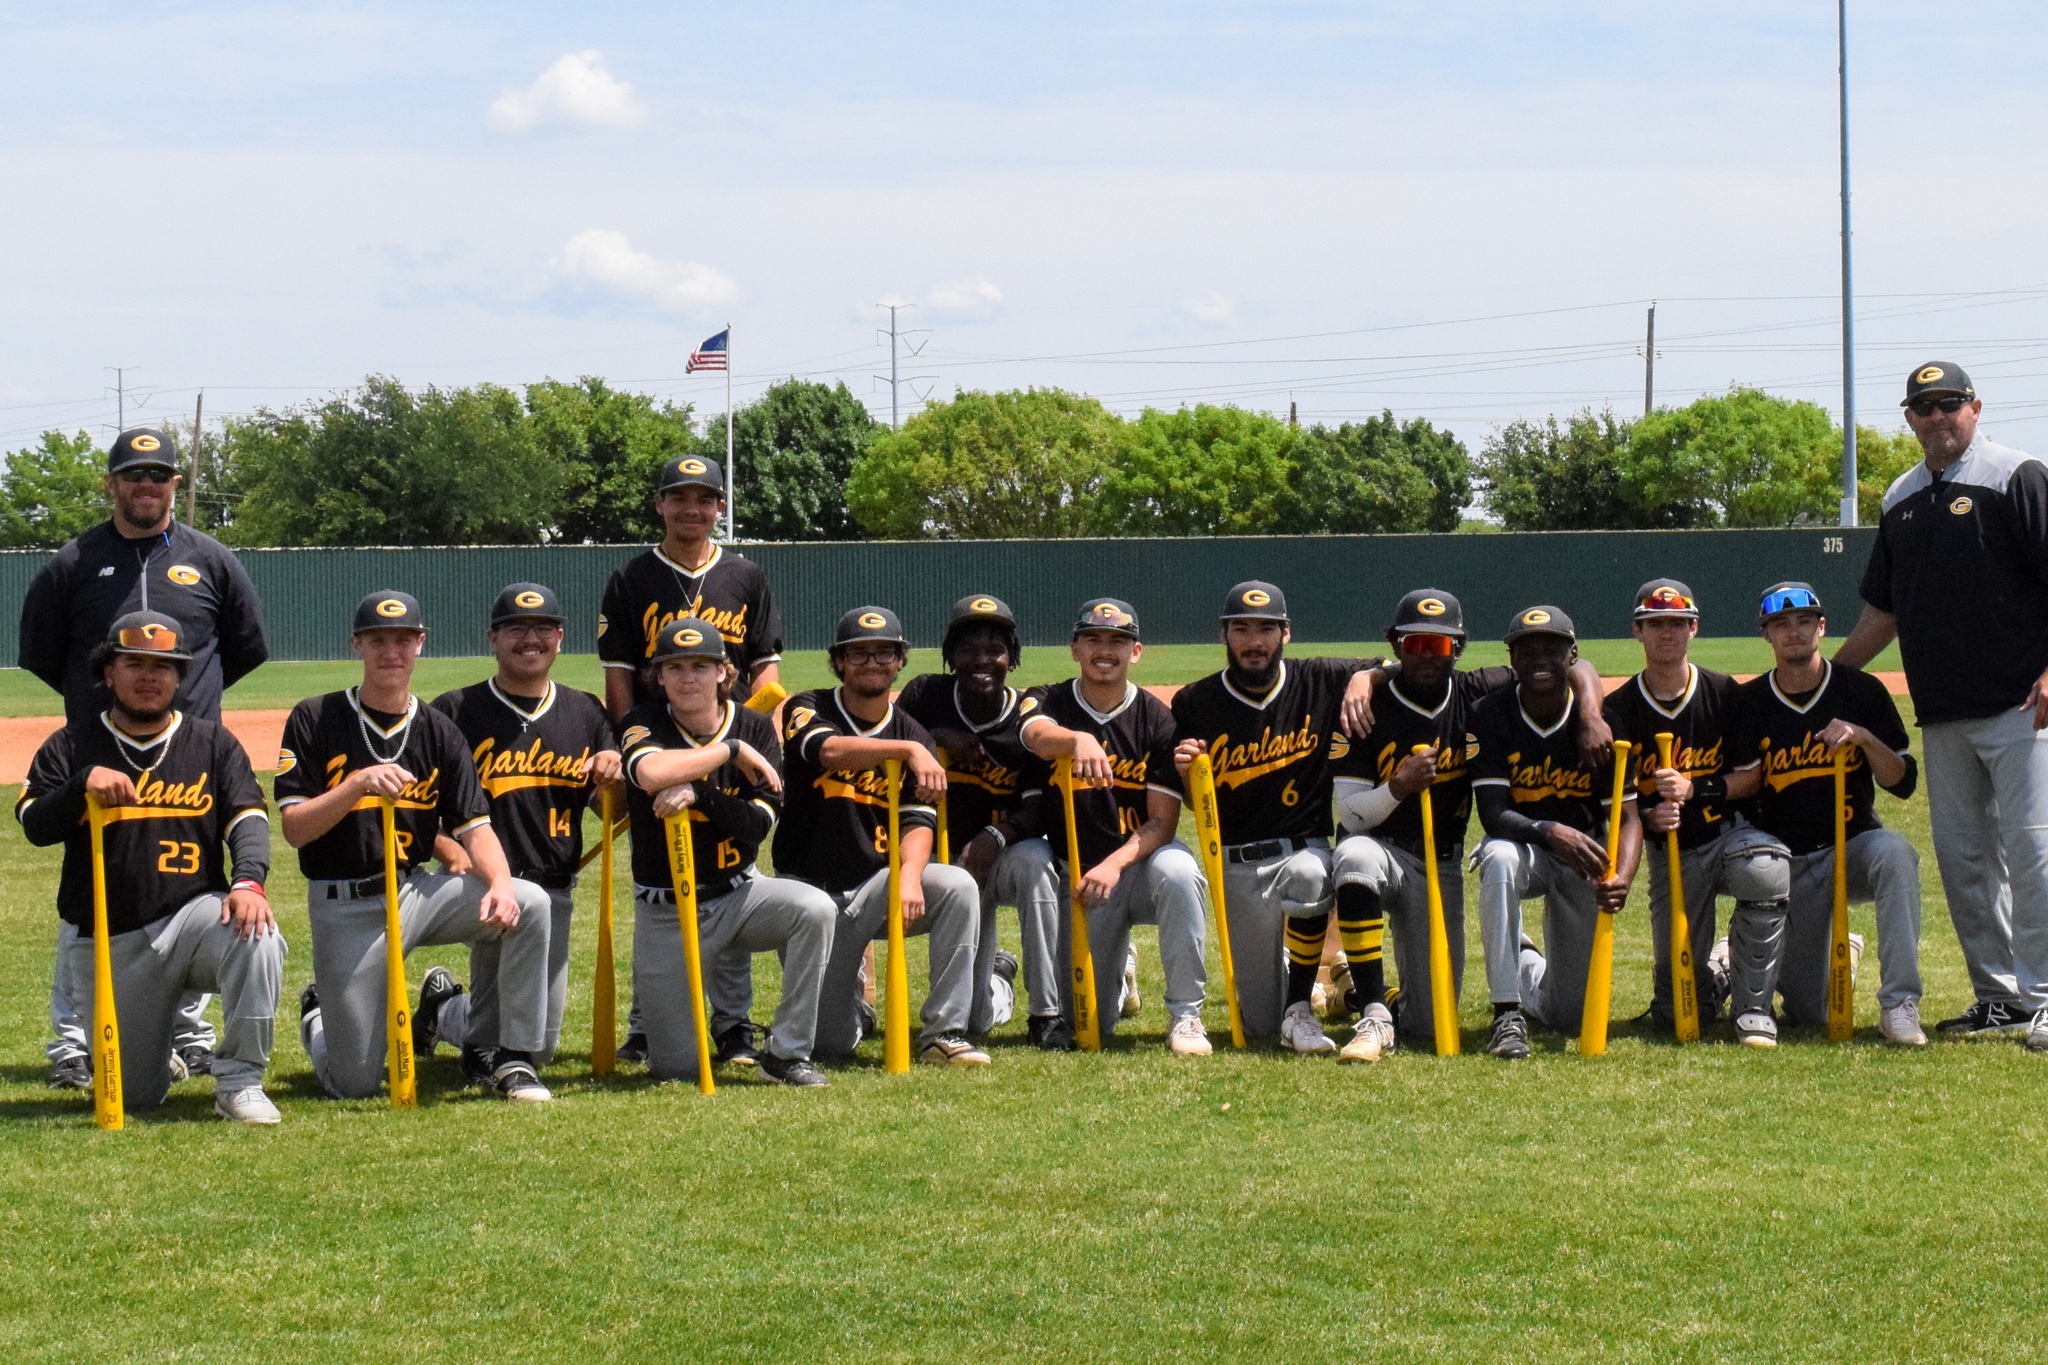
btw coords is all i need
(1541, 781)
(1802, 761)
(157, 799)
(731, 624)
(1693, 762)
(1240, 763)
(536, 765)
(422, 793)
(1450, 762)
(867, 788)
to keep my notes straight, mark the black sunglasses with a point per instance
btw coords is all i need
(150, 475)
(1924, 407)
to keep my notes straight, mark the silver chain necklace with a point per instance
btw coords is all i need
(412, 707)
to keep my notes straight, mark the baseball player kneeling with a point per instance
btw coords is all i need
(346, 753)
(175, 789)
(699, 755)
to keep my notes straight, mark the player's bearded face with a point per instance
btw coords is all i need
(1540, 662)
(1423, 669)
(143, 688)
(141, 506)
(526, 649)
(1795, 635)
(1255, 648)
(981, 660)
(690, 512)
(869, 670)
(1946, 435)
(1105, 656)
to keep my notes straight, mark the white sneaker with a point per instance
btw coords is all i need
(1129, 1008)
(249, 1105)
(1188, 1038)
(1300, 1032)
(1901, 1024)
(1373, 1038)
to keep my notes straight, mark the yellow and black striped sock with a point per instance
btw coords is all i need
(1363, 927)
(1304, 954)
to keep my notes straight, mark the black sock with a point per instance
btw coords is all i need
(1501, 1007)
(1363, 928)
(1304, 954)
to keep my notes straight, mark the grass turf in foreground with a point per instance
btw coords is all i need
(1705, 1202)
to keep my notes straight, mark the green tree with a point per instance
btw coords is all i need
(1547, 476)
(1202, 471)
(1379, 475)
(610, 447)
(385, 466)
(52, 491)
(988, 465)
(1881, 456)
(796, 446)
(1742, 458)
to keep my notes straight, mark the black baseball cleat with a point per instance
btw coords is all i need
(1052, 1033)
(739, 1046)
(73, 1073)
(478, 1065)
(198, 1059)
(1986, 1016)
(437, 988)
(634, 1049)
(1004, 964)
(791, 1070)
(1510, 1036)
(309, 1005)
(870, 1027)
(517, 1081)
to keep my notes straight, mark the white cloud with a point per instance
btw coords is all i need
(575, 89)
(1212, 308)
(603, 262)
(975, 293)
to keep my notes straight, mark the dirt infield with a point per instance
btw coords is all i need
(261, 731)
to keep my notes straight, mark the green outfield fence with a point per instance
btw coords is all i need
(1338, 587)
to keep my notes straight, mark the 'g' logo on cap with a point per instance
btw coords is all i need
(1257, 597)
(150, 636)
(145, 442)
(529, 599)
(1961, 506)
(978, 604)
(1429, 606)
(1536, 617)
(687, 637)
(692, 466)
(391, 607)
(182, 573)
(1928, 375)
(873, 620)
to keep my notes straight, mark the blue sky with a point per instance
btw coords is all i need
(1451, 210)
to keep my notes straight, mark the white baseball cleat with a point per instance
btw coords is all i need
(1373, 1038)
(1188, 1038)
(1901, 1024)
(1128, 1007)
(248, 1105)
(1300, 1032)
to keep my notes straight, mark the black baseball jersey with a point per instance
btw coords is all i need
(324, 741)
(1138, 736)
(1702, 723)
(1962, 563)
(1539, 767)
(195, 787)
(1781, 730)
(532, 756)
(650, 590)
(731, 814)
(987, 792)
(1398, 725)
(1272, 754)
(102, 575)
(835, 828)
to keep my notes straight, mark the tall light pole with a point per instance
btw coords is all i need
(1848, 298)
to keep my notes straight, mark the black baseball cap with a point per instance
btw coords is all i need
(1665, 597)
(1791, 595)
(150, 634)
(1255, 601)
(687, 470)
(143, 448)
(389, 609)
(869, 625)
(1429, 611)
(526, 602)
(1540, 621)
(1938, 376)
(691, 637)
(1108, 613)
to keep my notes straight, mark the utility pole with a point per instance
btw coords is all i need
(1650, 362)
(1293, 415)
(1848, 301)
(121, 396)
(895, 336)
(192, 485)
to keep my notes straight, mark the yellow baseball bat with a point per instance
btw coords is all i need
(107, 1110)
(1087, 1028)
(612, 832)
(896, 1007)
(1841, 986)
(1685, 1002)
(1600, 974)
(682, 871)
(1443, 1003)
(604, 1002)
(942, 842)
(398, 1060)
(1209, 829)
(767, 697)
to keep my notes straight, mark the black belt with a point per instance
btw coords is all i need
(363, 888)
(1262, 850)
(1445, 853)
(706, 891)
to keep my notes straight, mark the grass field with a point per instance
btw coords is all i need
(1709, 1202)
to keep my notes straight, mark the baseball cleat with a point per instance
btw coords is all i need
(1718, 973)
(736, 1046)
(870, 1026)
(477, 1064)
(950, 1049)
(248, 1105)
(1002, 987)
(1986, 1016)
(1855, 957)
(309, 1007)
(1901, 1024)
(517, 1080)
(1129, 1008)
(1373, 1038)
(198, 1059)
(1051, 1033)
(634, 1049)
(791, 1070)
(437, 988)
(2037, 1033)
(73, 1073)
(1299, 1031)
(178, 1071)
(1331, 999)
(1756, 1030)
(1188, 1038)
(1510, 1040)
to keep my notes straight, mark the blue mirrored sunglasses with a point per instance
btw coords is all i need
(1789, 599)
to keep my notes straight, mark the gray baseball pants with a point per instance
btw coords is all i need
(791, 919)
(475, 1014)
(1884, 869)
(347, 1038)
(1023, 876)
(1257, 899)
(155, 966)
(1741, 862)
(951, 926)
(1551, 985)
(1987, 802)
(67, 1028)
(1398, 878)
(1168, 890)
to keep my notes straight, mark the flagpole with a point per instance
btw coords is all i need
(732, 474)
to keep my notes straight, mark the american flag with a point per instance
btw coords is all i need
(710, 355)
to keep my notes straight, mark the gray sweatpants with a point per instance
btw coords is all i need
(155, 966)
(474, 1016)
(951, 925)
(1741, 862)
(777, 915)
(1550, 985)
(1987, 801)
(347, 1040)
(1023, 876)
(1884, 869)
(1397, 877)
(1257, 899)
(67, 1027)
(1166, 889)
